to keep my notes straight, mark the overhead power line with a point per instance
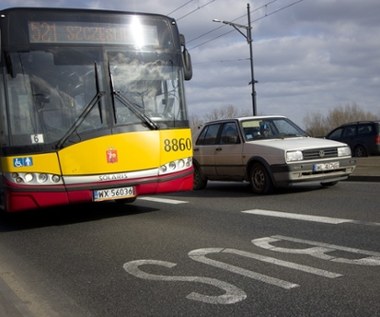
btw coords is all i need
(238, 18)
(260, 18)
(198, 8)
(190, 12)
(180, 7)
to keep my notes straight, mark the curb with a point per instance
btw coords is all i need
(367, 169)
(363, 178)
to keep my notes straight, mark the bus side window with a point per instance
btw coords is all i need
(3, 118)
(20, 95)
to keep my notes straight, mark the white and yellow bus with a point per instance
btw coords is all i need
(92, 107)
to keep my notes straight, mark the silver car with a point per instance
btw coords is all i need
(268, 152)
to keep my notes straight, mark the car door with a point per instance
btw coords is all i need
(228, 153)
(205, 148)
(349, 135)
(366, 137)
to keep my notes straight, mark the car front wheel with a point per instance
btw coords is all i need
(360, 151)
(200, 181)
(260, 180)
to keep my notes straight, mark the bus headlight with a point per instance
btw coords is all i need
(56, 179)
(28, 177)
(181, 164)
(34, 178)
(42, 178)
(176, 166)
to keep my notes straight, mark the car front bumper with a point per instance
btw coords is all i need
(314, 172)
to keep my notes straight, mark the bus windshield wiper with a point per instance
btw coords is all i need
(129, 104)
(85, 111)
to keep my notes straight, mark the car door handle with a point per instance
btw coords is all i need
(218, 149)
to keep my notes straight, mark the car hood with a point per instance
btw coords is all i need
(298, 143)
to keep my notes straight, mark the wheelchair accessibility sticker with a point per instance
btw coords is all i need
(22, 161)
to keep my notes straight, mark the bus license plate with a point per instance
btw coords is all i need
(114, 193)
(325, 166)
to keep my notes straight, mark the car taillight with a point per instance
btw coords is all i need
(377, 139)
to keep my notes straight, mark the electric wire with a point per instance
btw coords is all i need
(198, 8)
(180, 7)
(253, 21)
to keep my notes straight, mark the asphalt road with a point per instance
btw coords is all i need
(217, 252)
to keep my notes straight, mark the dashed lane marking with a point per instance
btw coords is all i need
(289, 215)
(163, 200)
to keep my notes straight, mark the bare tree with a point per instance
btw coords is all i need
(229, 111)
(226, 112)
(318, 125)
(315, 124)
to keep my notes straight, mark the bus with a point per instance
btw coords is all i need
(92, 107)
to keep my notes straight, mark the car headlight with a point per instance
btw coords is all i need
(344, 151)
(292, 156)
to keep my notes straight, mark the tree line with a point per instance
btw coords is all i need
(316, 124)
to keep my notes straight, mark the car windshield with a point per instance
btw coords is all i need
(270, 128)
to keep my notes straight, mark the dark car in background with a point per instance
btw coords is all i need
(363, 137)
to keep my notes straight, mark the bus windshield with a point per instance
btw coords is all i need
(151, 84)
(51, 89)
(75, 80)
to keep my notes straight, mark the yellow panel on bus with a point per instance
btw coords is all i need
(46, 163)
(133, 151)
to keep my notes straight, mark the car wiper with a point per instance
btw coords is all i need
(129, 104)
(85, 111)
(287, 135)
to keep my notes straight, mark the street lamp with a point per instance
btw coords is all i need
(248, 37)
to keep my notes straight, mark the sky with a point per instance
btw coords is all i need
(309, 56)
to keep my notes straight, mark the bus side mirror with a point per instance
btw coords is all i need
(188, 68)
(186, 59)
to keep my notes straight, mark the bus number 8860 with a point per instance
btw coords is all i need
(175, 145)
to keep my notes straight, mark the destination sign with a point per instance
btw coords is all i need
(92, 33)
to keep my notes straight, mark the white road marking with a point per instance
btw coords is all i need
(199, 255)
(289, 215)
(232, 294)
(163, 200)
(320, 250)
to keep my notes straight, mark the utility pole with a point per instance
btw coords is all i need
(253, 81)
(248, 37)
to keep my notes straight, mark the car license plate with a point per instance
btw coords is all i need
(325, 166)
(114, 193)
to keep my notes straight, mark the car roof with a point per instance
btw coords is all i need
(360, 122)
(245, 118)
